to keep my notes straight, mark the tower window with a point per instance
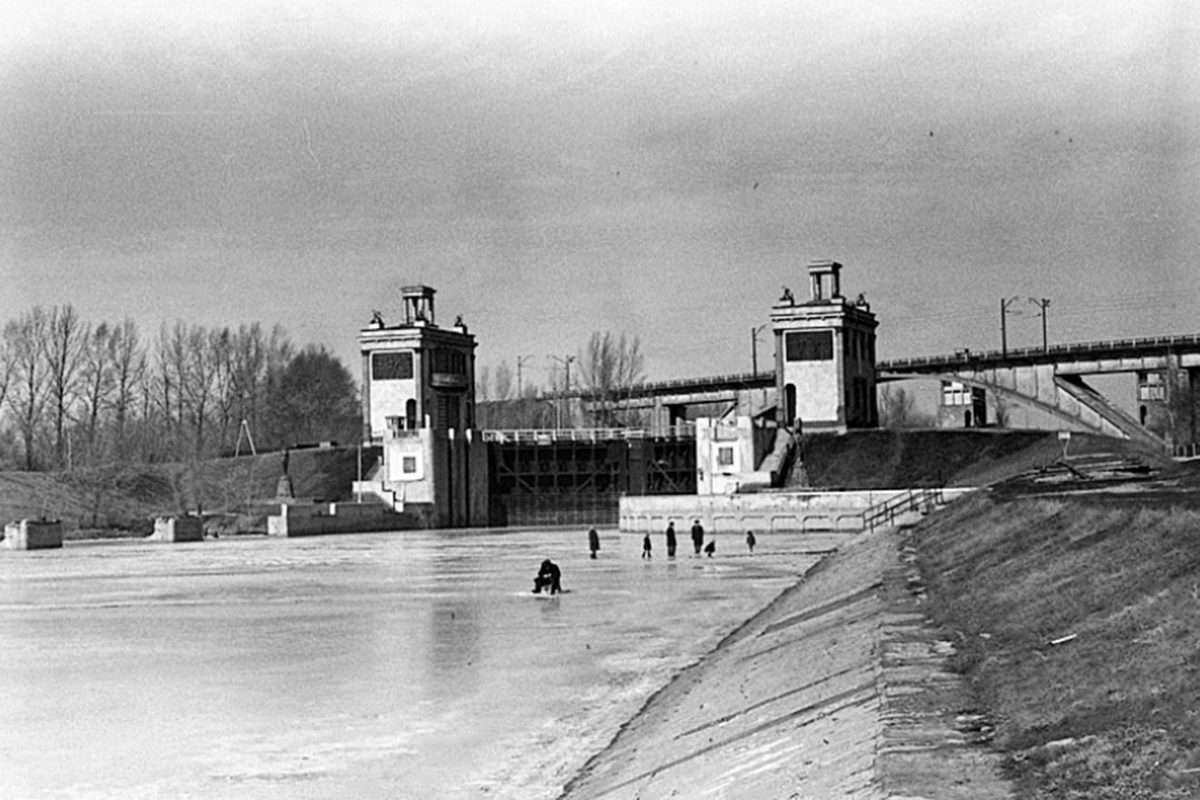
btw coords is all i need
(809, 346)
(392, 366)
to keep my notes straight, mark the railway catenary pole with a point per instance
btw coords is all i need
(1004, 304)
(1043, 304)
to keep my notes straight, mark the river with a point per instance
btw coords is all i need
(403, 665)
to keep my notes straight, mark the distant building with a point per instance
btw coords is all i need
(416, 374)
(825, 356)
(419, 403)
(962, 406)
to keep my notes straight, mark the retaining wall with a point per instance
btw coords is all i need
(793, 511)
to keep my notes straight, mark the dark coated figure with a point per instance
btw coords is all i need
(593, 541)
(646, 546)
(549, 577)
(710, 548)
(750, 540)
(697, 536)
(670, 540)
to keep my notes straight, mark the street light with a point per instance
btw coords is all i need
(754, 331)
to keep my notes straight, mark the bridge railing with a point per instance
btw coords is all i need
(679, 384)
(548, 435)
(1080, 348)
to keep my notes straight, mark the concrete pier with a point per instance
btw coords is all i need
(178, 529)
(321, 519)
(28, 534)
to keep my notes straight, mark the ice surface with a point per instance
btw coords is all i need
(404, 665)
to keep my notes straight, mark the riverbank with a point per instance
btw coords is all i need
(1038, 639)
(838, 688)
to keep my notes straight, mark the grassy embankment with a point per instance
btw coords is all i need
(1078, 622)
(232, 493)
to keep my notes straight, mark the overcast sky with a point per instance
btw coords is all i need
(557, 168)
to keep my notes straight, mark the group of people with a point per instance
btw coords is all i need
(697, 541)
(549, 576)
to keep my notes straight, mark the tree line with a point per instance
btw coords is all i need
(605, 369)
(73, 393)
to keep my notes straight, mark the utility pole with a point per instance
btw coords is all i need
(566, 362)
(520, 364)
(1004, 304)
(754, 331)
(1043, 304)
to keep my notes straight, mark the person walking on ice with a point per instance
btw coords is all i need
(646, 546)
(593, 541)
(670, 540)
(697, 536)
(750, 541)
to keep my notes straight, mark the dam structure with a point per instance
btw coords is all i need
(439, 468)
(737, 437)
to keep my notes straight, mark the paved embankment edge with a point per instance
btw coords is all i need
(838, 688)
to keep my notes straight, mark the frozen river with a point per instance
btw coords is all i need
(414, 665)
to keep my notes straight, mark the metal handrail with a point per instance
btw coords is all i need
(1032, 352)
(910, 500)
(546, 435)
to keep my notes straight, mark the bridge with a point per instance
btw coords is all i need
(1049, 379)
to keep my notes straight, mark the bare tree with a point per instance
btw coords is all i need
(898, 409)
(7, 368)
(96, 382)
(483, 384)
(249, 374)
(610, 367)
(221, 345)
(66, 339)
(128, 360)
(504, 381)
(24, 339)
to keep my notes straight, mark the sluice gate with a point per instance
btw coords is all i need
(577, 477)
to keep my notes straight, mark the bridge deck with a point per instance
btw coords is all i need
(1054, 354)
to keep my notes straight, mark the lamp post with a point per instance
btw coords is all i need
(754, 331)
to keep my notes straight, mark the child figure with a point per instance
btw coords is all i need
(750, 541)
(646, 546)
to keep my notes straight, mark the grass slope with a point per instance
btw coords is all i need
(885, 459)
(1115, 711)
(126, 499)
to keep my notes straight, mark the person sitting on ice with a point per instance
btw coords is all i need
(549, 577)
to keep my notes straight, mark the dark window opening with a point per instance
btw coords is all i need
(809, 346)
(392, 366)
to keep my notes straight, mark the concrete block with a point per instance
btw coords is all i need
(28, 534)
(178, 529)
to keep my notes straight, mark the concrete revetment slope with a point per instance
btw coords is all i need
(837, 689)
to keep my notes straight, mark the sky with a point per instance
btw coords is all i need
(554, 169)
